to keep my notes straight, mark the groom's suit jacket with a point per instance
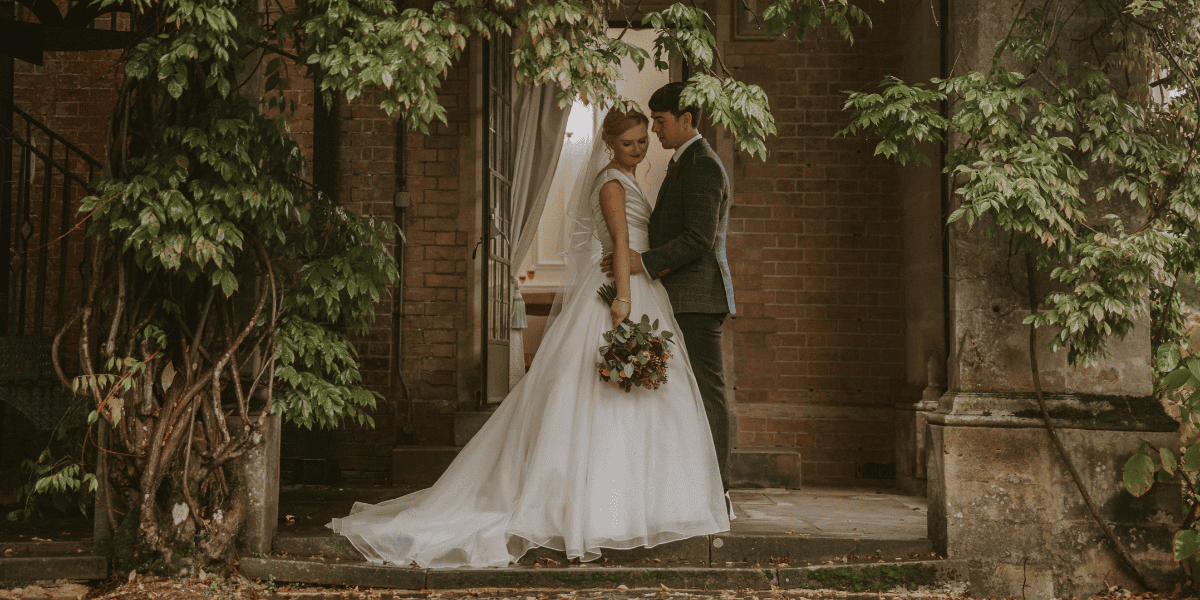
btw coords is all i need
(687, 234)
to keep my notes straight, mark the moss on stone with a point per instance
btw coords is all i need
(874, 579)
(124, 544)
(1110, 411)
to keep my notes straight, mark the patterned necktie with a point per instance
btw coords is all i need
(672, 170)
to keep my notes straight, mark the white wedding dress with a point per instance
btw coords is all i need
(567, 461)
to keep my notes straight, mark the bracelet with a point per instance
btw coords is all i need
(625, 300)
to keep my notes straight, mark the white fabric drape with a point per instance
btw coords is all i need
(541, 125)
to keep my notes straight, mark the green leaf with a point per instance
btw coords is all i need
(228, 281)
(1191, 458)
(1167, 458)
(1139, 474)
(1166, 357)
(1186, 543)
(1176, 379)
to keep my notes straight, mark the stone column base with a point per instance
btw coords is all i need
(1001, 498)
(258, 472)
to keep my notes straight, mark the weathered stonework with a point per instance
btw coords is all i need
(1001, 497)
(258, 473)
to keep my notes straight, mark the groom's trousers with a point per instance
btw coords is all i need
(702, 336)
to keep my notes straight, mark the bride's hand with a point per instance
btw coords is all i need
(619, 310)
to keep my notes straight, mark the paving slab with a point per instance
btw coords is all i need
(857, 513)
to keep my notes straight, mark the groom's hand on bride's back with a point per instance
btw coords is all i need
(635, 263)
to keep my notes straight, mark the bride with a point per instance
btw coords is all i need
(569, 461)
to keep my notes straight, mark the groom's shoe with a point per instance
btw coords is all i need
(729, 506)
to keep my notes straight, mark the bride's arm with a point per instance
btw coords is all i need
(612, 206)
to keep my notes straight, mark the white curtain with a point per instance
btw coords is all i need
(541, 126)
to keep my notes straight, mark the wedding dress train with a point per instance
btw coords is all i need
(567, 461)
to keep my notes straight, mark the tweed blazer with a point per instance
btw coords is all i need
(687, 234)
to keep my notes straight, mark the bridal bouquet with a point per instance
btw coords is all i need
(636, 354)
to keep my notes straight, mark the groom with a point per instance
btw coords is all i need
(687, 251)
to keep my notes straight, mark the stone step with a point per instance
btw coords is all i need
(467, 423)
(857, 577)
(29, 548)
(421, 465)
(46, 568)
(711, 550)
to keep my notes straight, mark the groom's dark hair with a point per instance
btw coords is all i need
(666, 99)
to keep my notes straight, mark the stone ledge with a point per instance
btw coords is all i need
(330, 545)
(1068, 411)
(594, 577)
(875, 577)
(721, 550)
(46, 568)
(922, 572)
(764, 549)
(307, 570)
(27, 549)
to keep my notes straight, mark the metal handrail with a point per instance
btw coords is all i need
(66, 171)
(54, 136)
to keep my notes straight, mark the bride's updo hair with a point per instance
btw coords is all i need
(617, 122)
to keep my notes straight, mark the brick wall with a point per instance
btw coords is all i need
(366, 169)
(72, 93)
(435, 269)
(436, 257)
(815, 249)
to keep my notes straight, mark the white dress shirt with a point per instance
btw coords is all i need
(684, 146)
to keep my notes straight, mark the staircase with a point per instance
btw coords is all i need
(422, 465)
(43, 252)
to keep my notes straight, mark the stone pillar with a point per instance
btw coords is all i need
(258, 476)
(1000, 495)
(924, 278)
